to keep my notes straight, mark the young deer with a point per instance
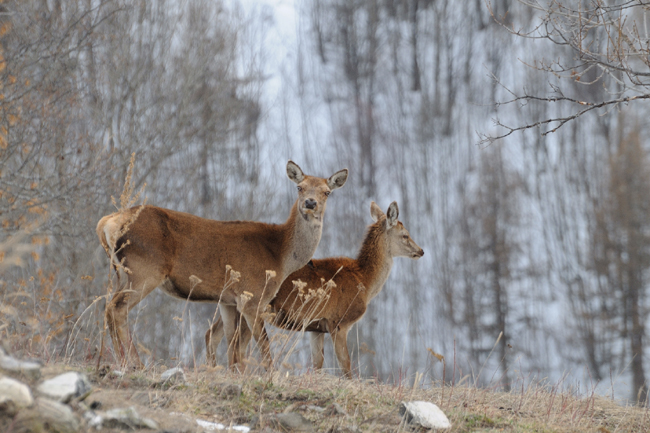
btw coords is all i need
(190, 257)
(340, 305)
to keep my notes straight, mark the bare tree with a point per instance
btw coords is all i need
(84, 85)
(605, 63)
(622, 252)
(490, 251)
(52, 167)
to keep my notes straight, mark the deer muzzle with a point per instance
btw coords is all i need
(311, 204)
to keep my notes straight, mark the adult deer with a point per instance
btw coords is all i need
(340, 305)
(189, 257)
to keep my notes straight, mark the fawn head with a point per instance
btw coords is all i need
(399, 240)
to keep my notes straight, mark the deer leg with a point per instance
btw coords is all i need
(240, 339)
(117, 313)
(340, 340)
(244, 336)
(252, 311)
(317, 343)
(116, 322)
(215, 334)
(256, 326)
(230, 317)
(212, 339)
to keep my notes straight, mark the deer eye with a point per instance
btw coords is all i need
(327, 193)
(299, 189)
(405, 236)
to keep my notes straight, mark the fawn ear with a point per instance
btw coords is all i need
(338, 179)
(294, 172)
(391, 215)
(375, 212)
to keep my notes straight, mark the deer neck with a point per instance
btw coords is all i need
(375, 261)
(302, 235)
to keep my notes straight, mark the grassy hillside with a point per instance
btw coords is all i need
(333, 404)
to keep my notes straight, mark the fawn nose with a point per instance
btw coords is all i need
(310, 204)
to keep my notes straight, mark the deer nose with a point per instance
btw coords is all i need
(421, 252)
(310, 204)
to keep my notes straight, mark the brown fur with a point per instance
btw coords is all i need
(187, 257)
(335, 308)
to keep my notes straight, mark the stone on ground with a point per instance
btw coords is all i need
(123, 419)
(425, 414)
(65, 387)
(19, 369)
(173, 376)
(14, 395)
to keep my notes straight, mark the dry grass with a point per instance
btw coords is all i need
(369, 406)
(41, 317)
(37, 317)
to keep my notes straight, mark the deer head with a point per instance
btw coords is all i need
(313, 192)
(398, 238)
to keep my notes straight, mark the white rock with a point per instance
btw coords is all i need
(17, 368)
(14, 395)
(58, 416)
(425, 414)
(125, 419)
(65, 386)
(213, 426)
(93, 419)
(173, 375)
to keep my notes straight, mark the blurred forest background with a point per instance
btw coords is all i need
(537, 245)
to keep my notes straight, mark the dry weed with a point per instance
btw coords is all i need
(128, 199)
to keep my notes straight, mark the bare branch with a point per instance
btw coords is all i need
(561, 121)
(605, 47)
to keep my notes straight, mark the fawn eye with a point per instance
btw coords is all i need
(299, 189)
(327, 193)
(405, 236)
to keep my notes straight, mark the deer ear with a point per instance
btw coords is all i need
(294, 172)
(391, 215)
(375, 212)
(338, 179)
